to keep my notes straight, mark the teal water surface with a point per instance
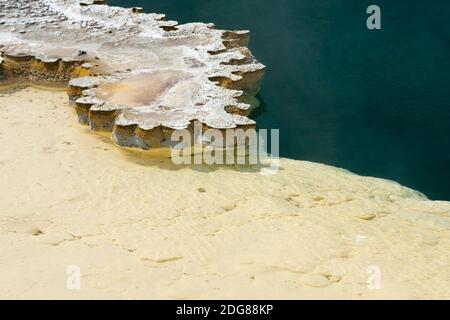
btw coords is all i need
(374, 102)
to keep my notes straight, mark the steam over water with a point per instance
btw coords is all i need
(373, 102)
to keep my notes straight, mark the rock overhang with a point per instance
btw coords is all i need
(133, 74)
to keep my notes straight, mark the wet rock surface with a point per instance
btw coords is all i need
(135, 75)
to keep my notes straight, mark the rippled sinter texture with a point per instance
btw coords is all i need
(376, 103)
(140, 227)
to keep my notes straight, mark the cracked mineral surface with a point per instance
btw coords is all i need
(134, 75)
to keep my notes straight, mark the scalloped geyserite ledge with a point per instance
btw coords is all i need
(135, 75)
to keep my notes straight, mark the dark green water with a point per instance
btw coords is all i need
(374, 102)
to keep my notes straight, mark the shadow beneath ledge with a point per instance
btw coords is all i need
(146, 159)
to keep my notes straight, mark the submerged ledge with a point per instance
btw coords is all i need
(133, 75)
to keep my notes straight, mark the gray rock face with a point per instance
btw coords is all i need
(135, 75)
